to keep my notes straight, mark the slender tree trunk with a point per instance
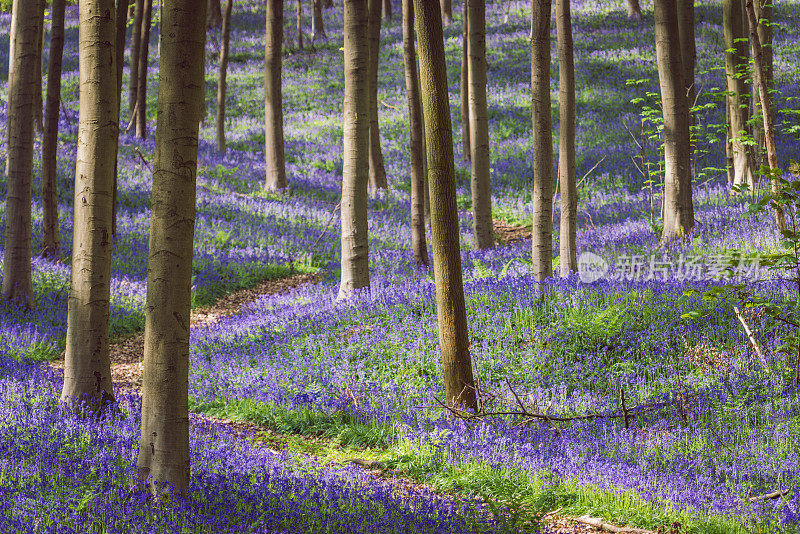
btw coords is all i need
(214, 14)
(446, 7)
(542, 142)
(688, 59)
(317, 23)
(11, 48)
(273, 99)
(51, 240)
(678, 206)
(17, 285)
(164, 444)
(728, 136)
(465, 135)
(223, 76)
(300, 24)
(566, 141)
(760, 80)
(327, 4)
(459, 384)
(355, 237)
(144, 56)
(418, 241)
(87, 367)
(737, 59)
(479, 126)
(763, 10)
(634, 11)
(38, 106)
(377, 172)
(121, 27)
(136, 41)
(386, 9)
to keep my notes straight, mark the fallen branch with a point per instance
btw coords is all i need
(141, 156)
(608, 527)
(753, 340)
(389, 105)
(767, 496)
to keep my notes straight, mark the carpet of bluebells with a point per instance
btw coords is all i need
(711, 427)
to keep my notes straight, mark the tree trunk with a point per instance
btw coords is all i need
(17, 285)
(760, 80)
(14, 12)
(763, 10)
(542, 143)
(38, 105)
(450, 307)
(223, 76)
(479, 126)
(446, 7)
(317, 24)
(121, 27)
(418, 241)
(678, 207)
(355, 237)
(737, 59)
(164, 444)
(465, 135)
(273, 99)
(566, 141)
(214, 14)
(87, 368)
(136, 41)
(51, 240)
(386, 9)
(688, 59)
(300, 24)
(377, 172)
(144, 55)
(634, 11)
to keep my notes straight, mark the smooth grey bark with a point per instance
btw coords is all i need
(17, 285)
(300, 24)
(144, 56)
(39, 103)
(355, 239)
(377, 171)
(688, 59)
(542, 234)
(317, 23)
(121, 19)
(274, 150)
(459, 384)
(222, 78)
(737, 59)
(763, 11)
(418, 241)
(479, 126)
(465, 135)
(634, 10)
(386, 10)
(51, 240)
(163, 459)
(446, 7)
(678, 205)
(568, 260)
(214, 14)
(136, 41)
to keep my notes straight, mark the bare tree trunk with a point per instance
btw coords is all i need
(144, 56)
(300, 24)
(479, 126)
(760, 80)
(386, 9)
(566, 141)
(377, 172)
(11, 48)
(87, 367)
(418, 241)
(634, 11)
(678, 206)
(51, 240)
(214, 14)
(542, 142)
(121, 27)
(355, 237)
(728, 136)
(737, 59)
(273, 99)
(136, 41)
(38, 105)
(465, 135)
(163, 458)
(317, 23)
(17, 285)
(459, 384)
(223, 76)
(763, 9)
(446, 7)
(688, 59)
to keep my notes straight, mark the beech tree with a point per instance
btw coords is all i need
(377, 171)
(763, 13)
(418, 240)
(214, 14)
(688, 58)
(737, 59)
(222, 78)
(273, 98)
(38, 103)
(51, 240)
(144, 56)
(568, 260)
(634, 11)
(17, 285)
(300, 24)
(355, 176)
(136, 40)
(87, 368)
(386, 9)
(542, 235)
(451, 313)
(465, 89)
(163, 459)
(121, 26)
(678, 206)
(317, 24)
(479, 125)
(447, 11)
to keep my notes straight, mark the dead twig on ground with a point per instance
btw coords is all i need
(608, 527)
(768, 496)
(753, 340)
